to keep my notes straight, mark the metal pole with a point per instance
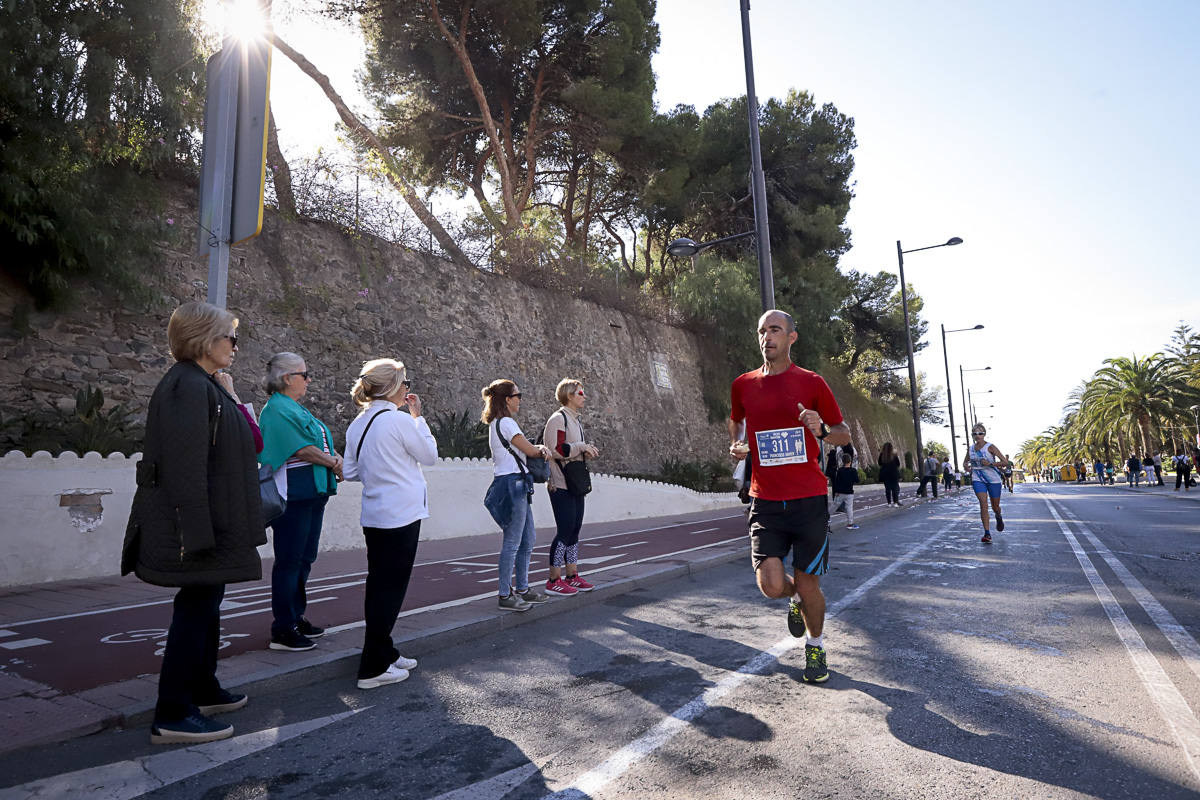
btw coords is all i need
(962, 386)
(758, 184)
(912, 370)
(949, 398)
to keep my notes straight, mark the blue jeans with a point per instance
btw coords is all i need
(297, 536)
(508, 499)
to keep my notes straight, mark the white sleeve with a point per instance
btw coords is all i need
(418, 440)
(509, 429)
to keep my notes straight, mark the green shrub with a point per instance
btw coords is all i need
(870, 474)
(907, 475)
(89, 428)
(460, 435)
(702, 476)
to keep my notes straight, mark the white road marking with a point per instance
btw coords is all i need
(494, 787)
(7, 633)
(1171, 704)
(129, 779)
(627, 544)
(21, 644)
(591, 782)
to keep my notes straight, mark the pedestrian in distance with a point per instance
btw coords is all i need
(843, 488)
(386, 446)
(568, 486)
(1148, 468)
(1183, 471)
(1158, 468)
(196, 520)
(889, 474)
(984, 460)
(1133, 471)
(1110, 472)
(930, 474)
(947, 476)
(509, 498)
(1098, 468)
(299, 447)
(788, 412)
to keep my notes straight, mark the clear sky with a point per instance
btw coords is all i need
(1058, 139)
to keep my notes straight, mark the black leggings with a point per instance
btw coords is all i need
(390, 556)
(892, 490)
(568, 517)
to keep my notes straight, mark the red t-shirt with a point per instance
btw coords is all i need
(787, 468)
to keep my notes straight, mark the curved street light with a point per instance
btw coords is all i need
(912, 370)
(684, 247)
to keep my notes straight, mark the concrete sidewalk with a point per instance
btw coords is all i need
(34, 714)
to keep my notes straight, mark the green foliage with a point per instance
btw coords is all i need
(93, 97)
(870, 473)
(702, 476)
(460, 435)
(88, 428)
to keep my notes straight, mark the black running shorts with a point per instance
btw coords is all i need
(801, 526)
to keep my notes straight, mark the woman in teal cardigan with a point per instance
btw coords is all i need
(298, 445)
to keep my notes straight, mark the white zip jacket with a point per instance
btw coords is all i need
(389, 466)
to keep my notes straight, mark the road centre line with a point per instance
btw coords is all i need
(1176, 634)
(590, 783)
(630, 544)
(1171, 704)
(362, 574)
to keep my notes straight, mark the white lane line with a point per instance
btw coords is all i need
(128, 779)
(1176, 634)
(703, 530)
(591, 782)
(462, 601)
(21, 644)
(627, 544)
(1171, 705)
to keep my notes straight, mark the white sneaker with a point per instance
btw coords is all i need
(392, 674)
(405, 663)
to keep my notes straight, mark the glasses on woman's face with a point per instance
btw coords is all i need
(980, 433)
(516, 395)
(407, 385)
(580, 393)
(304, 375)
(232, 339)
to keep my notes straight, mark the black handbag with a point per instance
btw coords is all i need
(576, 473)
(273, 505)
(538, 469)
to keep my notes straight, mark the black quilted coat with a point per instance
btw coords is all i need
(196, 517)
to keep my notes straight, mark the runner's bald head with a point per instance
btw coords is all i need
(788, 324)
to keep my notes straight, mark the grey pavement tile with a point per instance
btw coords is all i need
(13, 685)
(119, 696)
(26, 721)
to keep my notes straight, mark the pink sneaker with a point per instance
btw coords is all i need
(579, 583)
(560, 586)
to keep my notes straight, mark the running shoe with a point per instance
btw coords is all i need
(221, 702)
(392, 674)
(193, 729)
(999, 523)
(405, 663)
(513, 602)
(987, 537)
(308, 629)
(579, 583)
(533, 596)
(795, 619)
(292, 640)
(559, 586)
(851, 527)
(815, 670)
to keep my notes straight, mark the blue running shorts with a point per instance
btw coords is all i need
(993, 489)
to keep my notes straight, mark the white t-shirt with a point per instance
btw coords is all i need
(504, 461)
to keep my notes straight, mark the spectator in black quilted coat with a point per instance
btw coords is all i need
(196, 518)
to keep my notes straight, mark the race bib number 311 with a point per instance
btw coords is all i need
(781, 446)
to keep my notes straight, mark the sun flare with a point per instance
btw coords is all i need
(242, 19)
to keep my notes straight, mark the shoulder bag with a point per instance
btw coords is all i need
(538, 469)
(576, 474)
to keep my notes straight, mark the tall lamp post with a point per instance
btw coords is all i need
(912, 370)
(949, 391)
(758, 184)
(962, 384)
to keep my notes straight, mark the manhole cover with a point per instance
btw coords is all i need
(1181, 556)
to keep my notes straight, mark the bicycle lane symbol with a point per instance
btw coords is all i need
(159, 637)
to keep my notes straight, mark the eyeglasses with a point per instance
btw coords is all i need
(232, 339)
(407, 385)
(301, 374)
(979, 433)
(580, 393)
(516, 395)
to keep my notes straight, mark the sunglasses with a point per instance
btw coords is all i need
(516, 395)
(302, 375)
(232, 339)
(407, 385)
(979, 433)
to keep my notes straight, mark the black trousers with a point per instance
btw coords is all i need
(1182, 477)
(891, 489)
(932, 480)
(390, 556)
(189, 667)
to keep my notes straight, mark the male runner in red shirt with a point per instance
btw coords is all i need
(786, 409)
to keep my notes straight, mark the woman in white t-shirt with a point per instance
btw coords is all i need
(510, 497)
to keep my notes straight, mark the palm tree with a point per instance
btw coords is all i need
(1138, 395)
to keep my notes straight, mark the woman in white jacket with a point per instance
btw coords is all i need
(385, 449)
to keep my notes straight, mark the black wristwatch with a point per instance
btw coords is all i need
(824, 431)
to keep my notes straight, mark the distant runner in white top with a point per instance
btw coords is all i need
(982, 461)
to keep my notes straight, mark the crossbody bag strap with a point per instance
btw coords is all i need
(567, 426)
(363, 438)
(508, 447)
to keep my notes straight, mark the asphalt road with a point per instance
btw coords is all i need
(1059, 662)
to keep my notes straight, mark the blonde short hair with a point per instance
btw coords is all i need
(566, 388)
(194, 328)
(380, 378)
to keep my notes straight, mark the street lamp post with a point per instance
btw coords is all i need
(912, 370)
(962, 385)
(766, 280)
(949, 391)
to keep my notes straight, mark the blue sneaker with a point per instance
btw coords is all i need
(192, 729)
(221, 702)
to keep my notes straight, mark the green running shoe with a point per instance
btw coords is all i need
(815, 670)
(795, 619)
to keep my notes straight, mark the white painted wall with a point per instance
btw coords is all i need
(41, 539)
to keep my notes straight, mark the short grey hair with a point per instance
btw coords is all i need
(277, 369)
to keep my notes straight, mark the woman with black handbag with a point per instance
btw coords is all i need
(509, 498)
(569, 485)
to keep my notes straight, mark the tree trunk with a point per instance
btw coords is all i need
(391, 168)
(281, 174)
